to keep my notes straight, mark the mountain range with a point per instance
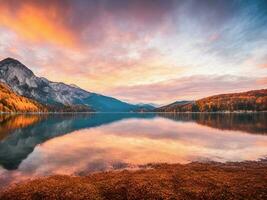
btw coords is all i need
(57, 96)
(22, 91)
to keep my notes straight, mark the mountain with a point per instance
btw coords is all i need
(55, 94)
(255, 100)
(173, 106)
(12, 102)
(142, 107)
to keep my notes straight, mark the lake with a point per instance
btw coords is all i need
(77, 144)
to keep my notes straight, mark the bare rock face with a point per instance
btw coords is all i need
(23, 81)
(16, 75)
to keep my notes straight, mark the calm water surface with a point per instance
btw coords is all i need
(40, 145)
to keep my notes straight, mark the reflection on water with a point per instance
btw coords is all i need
(9, 123)
(39, 145)
(248, 122)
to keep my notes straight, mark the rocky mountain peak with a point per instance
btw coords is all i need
(9, 61)
(10, 66)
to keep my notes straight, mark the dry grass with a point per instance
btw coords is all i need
(246, 180)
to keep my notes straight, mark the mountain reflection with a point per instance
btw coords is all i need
(20, 134)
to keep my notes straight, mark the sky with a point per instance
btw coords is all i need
(157, 51)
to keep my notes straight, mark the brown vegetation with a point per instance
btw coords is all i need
(255, 100)
(246, 180)
(12, 102)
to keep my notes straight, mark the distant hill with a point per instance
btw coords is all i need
(12, 102)
(173, 106)
(255, 100)
(145, 107)
(56, 95)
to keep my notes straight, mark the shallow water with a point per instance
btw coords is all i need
(40, 145)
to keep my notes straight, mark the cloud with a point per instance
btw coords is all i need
(188, 88)
(83, 22)
(262, 82)
(36, 25)
(110, 45)
(264, 65)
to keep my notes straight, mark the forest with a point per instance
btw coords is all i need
(255, 100)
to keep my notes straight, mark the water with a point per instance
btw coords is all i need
(40, 145)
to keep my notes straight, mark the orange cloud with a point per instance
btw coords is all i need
(263, 65)
(36, 24)
(262, 81)
(99, 72)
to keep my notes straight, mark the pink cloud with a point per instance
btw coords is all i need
(188, 88)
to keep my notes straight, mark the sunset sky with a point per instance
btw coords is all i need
(141, 50)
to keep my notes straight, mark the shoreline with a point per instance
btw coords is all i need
(211, 180)
(219, 112)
